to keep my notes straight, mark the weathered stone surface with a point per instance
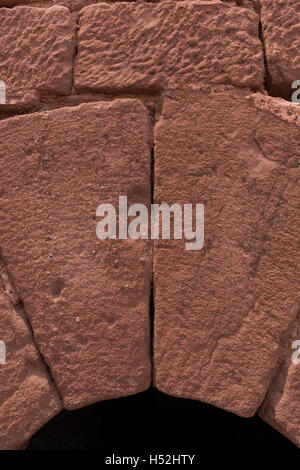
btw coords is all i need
(221, 313)
(148, 46)
(33, 3)
(224, 316)
(28, 398)
(72, 5)
(87, 299)
(281, 407)
(244, 3)
(281, 30)
(36, 50)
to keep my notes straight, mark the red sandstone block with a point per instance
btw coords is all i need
(141, 46)
(254, 4)
(281, 407)
(221, 312)
(28, 398)
(36, 50)
(72, 5)
(281, 30)
(87, 299)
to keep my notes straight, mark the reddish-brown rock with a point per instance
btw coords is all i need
(225, 316)
(221, 313)
(36, 50)
(24, 445)
(72, 5)
(28, 397)
(281, 407)
(281, 30)
(254, 4)
(33, 3)
(148, 46)
(87, 299)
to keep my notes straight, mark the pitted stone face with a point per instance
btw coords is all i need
(36, 51)
(221, 313)
(142, 46)
(281, 407)
(28, 398)
(281, 32)
(226, 314)
(87, 300)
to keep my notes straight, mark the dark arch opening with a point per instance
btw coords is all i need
(153, 422)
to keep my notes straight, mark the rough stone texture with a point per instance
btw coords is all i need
(225, 316)
(28, 398)
(16, 104)
(87, 299)
(36, 50)
(222, 313)
(72, 5)
(142, 46)
(6, 283)
(281, 407)
(281, 31)
(244, 3)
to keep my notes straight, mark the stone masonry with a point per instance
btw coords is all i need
(175, 102)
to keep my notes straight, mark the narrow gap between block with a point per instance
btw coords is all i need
(151, 298)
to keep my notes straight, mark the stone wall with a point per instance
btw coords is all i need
(164, 102)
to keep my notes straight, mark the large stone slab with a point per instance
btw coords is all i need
(147, 46)
(28, 397)
(87, 299)
(281, 30)
(221, 313)
(72, 5)
(281, 407)
(36, 50)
